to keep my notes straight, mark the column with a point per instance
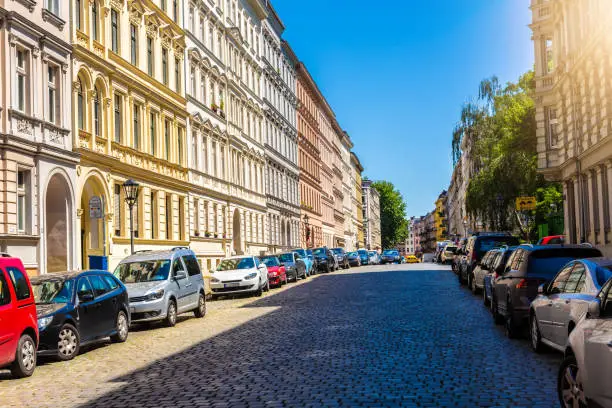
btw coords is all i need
(608, 207)
(591, 206)
(577, 210)
(601, 236)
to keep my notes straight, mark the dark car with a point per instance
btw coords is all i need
(364, 256)
(341, 257)
(497, 268)
(459, 257)
(390, 256)
(529, 267)
(295, 266)
(326, 261)
(354, 259)
(75, 308)
(476, 248)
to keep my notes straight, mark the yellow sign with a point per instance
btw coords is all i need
(526, 203)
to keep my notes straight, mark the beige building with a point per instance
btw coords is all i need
(38, 186)
(573, 98)
(357, 201)
(371, 215)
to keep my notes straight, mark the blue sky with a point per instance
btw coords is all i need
(396, 73)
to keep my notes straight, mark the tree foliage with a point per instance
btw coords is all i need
(393, 223)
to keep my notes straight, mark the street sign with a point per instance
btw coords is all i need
(95, 208)
(525, 203)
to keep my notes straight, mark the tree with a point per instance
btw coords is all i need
(393, 223)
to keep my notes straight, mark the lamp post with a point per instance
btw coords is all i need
(465, 223)
(306, 229)
(130, 189)
(500, 203)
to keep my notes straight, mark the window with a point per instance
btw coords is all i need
(136, 127)
(98, 285)
(80, 106)
(175, 10)
(150, 56)
(180, 145)
(97, 113)
(192, 80)
(165, 66)
(191, 20)
(117, 210)
(181, 220)
(84, 290)
(114, 30)
(576, 279)
(94, 21)
(168, 218)
(152, 132)
(205, 154)
(23, 184)
(214, 159)
(118, 117)
(22, 80)
(110, 281)
(163, 5)
(52, 94)
(154, 209)
(133, 44)
(5, 293)
(548, 51)
(167, 138)
(211, 39)
(193, 267)
(77, 13)
(202, 30)
(551, 126)
(20, 284)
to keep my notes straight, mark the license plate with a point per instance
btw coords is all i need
(231, 285)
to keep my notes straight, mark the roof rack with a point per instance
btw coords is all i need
(179, 247)
(140, 251)
(586, 244)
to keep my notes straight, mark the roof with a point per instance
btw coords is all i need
(139, 256)
(601, 261)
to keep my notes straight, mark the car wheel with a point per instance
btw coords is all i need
(122, 328)
(497, 318)
(25, 357)
(267, 287)
(485, 299)
(536, 337)
(259, 291)
(171, 314)
(474, 288)
(200, 311)
(569, 388)
(510, 328)
(68, 343)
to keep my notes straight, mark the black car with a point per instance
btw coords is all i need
(477, 246)
(341, 257)
(354, 258)
(325, 258)
(391, 256)
(75, 308)
(294, 265)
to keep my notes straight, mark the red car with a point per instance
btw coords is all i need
(277, 275)
(552, 239)
(18, 322)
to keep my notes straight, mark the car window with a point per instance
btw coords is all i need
(84, 288)
(517, 260)
(193, 267)
(110, 281)
(20, 284)
(558, 285)
(176, 266)
(5, 293)
(297, 256)
(576, 279)
(98, 285)
(487, 243)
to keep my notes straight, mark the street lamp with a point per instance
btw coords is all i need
(465, 223)
(306, 229)
(130, 189)
(500, 203)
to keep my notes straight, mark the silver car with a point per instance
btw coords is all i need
(240, 274)
(163, 284)
(562, 302)
(585, 373)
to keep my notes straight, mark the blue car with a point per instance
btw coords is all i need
(308, 259)
(364, 256)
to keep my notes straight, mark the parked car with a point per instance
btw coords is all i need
(552, 239)
(364, 256)
(374, 258)
(19, 328)
(240, 274)
(476, 281)
(412, 259)
(76, 308)
(528, 268)
(584, 375)
(459, 258)
(341, 258)
(326, 261)
(294, 264)
(390, 256)
(312, 259)
(354, 258)
(477, 246)
(307, 258)
(498, 266)
(163, 284)
(277, 274)
(562, 302)
(449, 254)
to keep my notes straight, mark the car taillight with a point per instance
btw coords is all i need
(474, 256)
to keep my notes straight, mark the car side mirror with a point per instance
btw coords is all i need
(180, 275)
(542, 289)
(594, 309)
(86, 297)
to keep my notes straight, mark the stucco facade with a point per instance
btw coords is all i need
(357, 201)
(371, 215)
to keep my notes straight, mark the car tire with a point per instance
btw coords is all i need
(200, 311)
(267, 287)
(259, 291)
(535, 335)
(25, 357)
(497, 318)
(485, 299)
(122, 327)
(510, 329)
(474, 288)
(68, 343)
(567, 379)
(171, 314)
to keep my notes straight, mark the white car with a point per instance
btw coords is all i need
(240, 274)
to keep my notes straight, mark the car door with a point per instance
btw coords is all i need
(182, 284)
(106, 302)
(263, 271)
(503, 282)
(563, 302)
(7, 319)
(544, 305)
(195, 278)
(89, 311)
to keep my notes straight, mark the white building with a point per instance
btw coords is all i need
(38, 166)
(348, 194)
(281, 138)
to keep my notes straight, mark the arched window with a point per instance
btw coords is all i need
(80, 105)
(97, 112)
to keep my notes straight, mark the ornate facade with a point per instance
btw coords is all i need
(574, 112)
(357, 201)
(371, 215)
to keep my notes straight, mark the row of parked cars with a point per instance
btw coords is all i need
(56, 314)
(559, 295)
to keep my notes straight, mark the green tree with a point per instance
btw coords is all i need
(393, 223)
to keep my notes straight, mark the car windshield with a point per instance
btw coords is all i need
(286, 257)
(353, 254)
(270, 261)
(603, 275)
(319, 251)
(452, 249)
(546, 263)
(235, 264)
(484, 245)
(143, 271)
(363, 252)
(53, 291)
(337, 251)
(372, 253)
(301, 252)
(390, 252)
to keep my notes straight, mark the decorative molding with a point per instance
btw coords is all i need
(49, 17)
(30, 4)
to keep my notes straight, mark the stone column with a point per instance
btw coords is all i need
(566, 211)
(578, 222)
(601, 236)
(590, 180)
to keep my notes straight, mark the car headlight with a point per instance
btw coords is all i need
(215, 280)
(251, 276)
(44, 322)
(272, 273)
(158, 294)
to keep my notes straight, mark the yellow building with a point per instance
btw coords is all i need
(130, 117)
(440, 218)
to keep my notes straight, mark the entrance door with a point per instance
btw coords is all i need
(58, 225)
(93, 235)
(237, 239)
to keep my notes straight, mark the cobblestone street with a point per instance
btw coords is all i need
(374, 336)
